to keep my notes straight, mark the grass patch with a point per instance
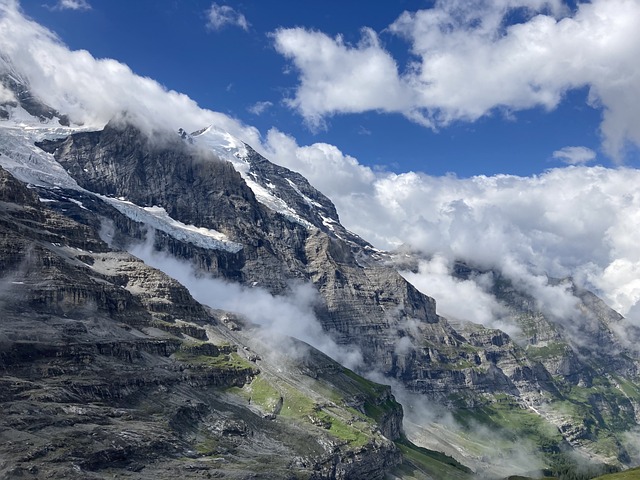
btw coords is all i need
(228, 361)
(632, 474)
(263, 394)
(551, 350)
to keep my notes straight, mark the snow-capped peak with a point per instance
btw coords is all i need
(222, 143)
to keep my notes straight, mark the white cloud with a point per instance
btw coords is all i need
(289, 315)
(337, 77)
(479, 306)
(219, 16)
(575, 221)
(92, 91)
(72, 5)
(259, 108)
(467, 64)
(575, 155)
(6, 95)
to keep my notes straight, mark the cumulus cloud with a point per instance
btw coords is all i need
(259, 108)
(337, 77)
(467, 62)
(220, 16)
(72, 5)
(575, 155)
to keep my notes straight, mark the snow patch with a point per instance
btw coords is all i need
(229, 148)
(158, 218)
(308, 200)
(27, 162)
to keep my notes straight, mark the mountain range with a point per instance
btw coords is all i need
(173, 303)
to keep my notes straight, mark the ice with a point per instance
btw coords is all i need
(158, 218)
(229, 148)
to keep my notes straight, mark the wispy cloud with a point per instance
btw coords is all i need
(289, 315)
(72, 5)
(259, 108)
(575, 155)
(467, 64)
(220, 16)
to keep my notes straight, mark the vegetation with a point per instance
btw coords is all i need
(633, 474)
(550, 350)
(420, 463)
(224, 361)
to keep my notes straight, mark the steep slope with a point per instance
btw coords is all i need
(111, 367)
(212, 200)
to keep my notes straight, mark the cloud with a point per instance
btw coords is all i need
(575, 221)
(220, 16)
(479, 306)
(466, 62)
(259, 108)
(92, 91)
(289, 315)
(575, 155)
(72, 5)
(6, 95)
(338, 78)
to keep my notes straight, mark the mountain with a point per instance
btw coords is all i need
(184, 363)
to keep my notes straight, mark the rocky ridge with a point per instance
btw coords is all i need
(118, 177)
(111, 368)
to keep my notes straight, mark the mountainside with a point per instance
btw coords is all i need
(98, 345)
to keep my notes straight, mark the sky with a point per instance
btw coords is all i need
(502, 133)
(507, 86)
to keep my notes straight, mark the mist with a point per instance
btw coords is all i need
(277, 316)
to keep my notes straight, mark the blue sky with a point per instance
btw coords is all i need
(234, 66)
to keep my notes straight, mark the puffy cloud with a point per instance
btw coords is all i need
(219, 16)
(575, 155)
(337, 77)
(468, 62)
(574, 221)
(92, 91)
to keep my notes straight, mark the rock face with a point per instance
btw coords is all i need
(245, 220)
(112, 368)
(364, 303)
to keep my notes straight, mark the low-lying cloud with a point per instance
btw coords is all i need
(578, 222)
(289, 315)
